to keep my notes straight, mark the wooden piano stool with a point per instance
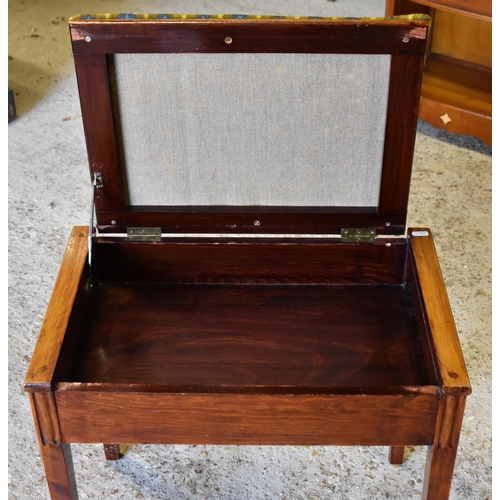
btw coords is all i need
(248, 277)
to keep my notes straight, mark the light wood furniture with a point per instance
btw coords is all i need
(256, 339)
(457, 86)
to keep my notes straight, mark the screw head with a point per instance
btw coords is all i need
(256, 222)
(228, 40)
(406, 39)
(88, 39)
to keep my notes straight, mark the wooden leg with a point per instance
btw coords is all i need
(112, 451)
(58, 465)
(397, 455)
(56, 455)
(441, 455)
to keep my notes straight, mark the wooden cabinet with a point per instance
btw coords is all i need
(457, 84)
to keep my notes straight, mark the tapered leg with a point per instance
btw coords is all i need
(112, 451)
(441, 455)
(56, 455)
(58, 465)
(396, 455)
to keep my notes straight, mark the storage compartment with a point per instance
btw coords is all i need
(249, 317)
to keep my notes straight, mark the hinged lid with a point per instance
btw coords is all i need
(206, 125)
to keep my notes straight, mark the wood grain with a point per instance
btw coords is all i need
(285, 36)
(444, 338)
(247, 261)
(420, 315)
(457, 86)
(99, 128)
(247, 419)
(227, 338)
(56, 455)
(52, 334)
(241, 220)
(462, 37)
(402, 114)
(442, 454)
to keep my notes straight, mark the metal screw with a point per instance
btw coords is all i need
(228, 40)
(88, 39)
(113, 222)
(387, 244)
(387, 224)
(256, 222)
(406, 39)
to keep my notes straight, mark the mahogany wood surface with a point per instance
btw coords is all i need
(223, 337)
(405, 86)
(438, 315)
(396, 455)
(288, 36)
(237, 220)
(247, 419)
(56, 454)
(52, 334)
(420, 316)
(93, 41)
(442, 454)
(102, 149)
(250, 261)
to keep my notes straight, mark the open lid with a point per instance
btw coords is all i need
(239, 124)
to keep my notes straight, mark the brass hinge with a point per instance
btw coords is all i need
(354, 235)
(144, 233)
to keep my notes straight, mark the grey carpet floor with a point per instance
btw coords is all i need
(49, 193)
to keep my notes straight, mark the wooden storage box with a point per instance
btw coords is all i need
(248, 277)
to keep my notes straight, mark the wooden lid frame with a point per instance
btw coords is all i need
(405, 40)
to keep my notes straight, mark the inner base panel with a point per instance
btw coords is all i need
(292, 338)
